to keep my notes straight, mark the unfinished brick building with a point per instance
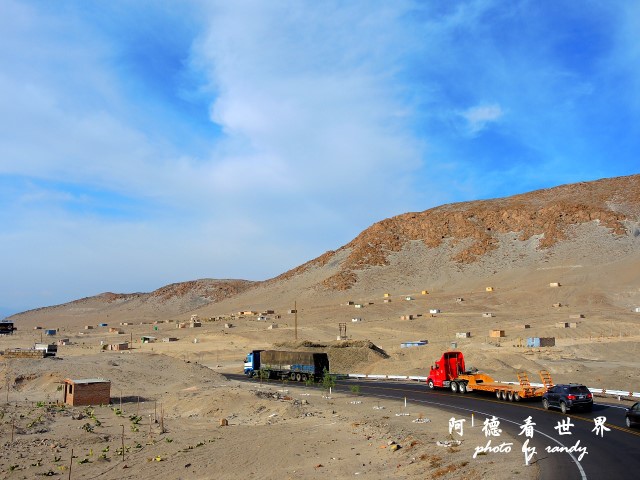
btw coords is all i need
(88, 391)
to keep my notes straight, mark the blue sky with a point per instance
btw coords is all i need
(145, 143)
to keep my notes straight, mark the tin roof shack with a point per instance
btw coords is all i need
(49, 350)
(417, 343)
(87, 391)
(116, 347)
(6, 328)
(534, 342)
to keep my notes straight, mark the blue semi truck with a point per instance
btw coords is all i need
(297, 366)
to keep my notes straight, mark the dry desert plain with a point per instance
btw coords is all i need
(174, 394)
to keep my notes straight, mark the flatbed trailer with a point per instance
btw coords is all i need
(450, 372)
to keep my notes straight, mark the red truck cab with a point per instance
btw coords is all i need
(448, 368)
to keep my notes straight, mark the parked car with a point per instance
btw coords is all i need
(568, 397)
(632, 416)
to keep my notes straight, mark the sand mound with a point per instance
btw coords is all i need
(345, 356)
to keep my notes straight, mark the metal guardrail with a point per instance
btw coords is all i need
(601, 391)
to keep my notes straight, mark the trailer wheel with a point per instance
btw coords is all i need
(304, 378)
(510, 396)
(454, 387)
(298, 377)
(292, 376)
(503, 395)
(430, 384)
(498, 394)
(462, 388)
(516, 397)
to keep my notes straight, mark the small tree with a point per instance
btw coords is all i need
(264, 375)
(355, 389)
(328, 380)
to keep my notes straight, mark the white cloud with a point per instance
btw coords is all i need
(312, 149)
(480, 116)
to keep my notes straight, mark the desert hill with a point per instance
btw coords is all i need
(164, 302)
(459, 246)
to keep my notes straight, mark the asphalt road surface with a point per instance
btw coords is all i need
(567, 447)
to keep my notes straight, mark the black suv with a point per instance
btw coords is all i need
(567, 397)
(632, 417)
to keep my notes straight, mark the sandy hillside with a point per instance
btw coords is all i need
(171, 418)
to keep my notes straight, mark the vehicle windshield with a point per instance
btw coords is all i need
(580, 389)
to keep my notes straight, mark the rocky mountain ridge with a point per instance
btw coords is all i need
(547, 214)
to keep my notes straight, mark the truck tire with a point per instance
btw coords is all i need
(304, 378)
(503, 395)
(510, 396)
(454, 387)
(298, 377)
(498, 394)
(462, 388)
(516, 397)
(430, 384)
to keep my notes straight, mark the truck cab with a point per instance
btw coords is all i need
(448, 368)
(252, 363)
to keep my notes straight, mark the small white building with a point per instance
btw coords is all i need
(434, 310)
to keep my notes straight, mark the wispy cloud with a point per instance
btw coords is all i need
(478, 117)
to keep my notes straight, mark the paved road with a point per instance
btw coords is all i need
(613, 455)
